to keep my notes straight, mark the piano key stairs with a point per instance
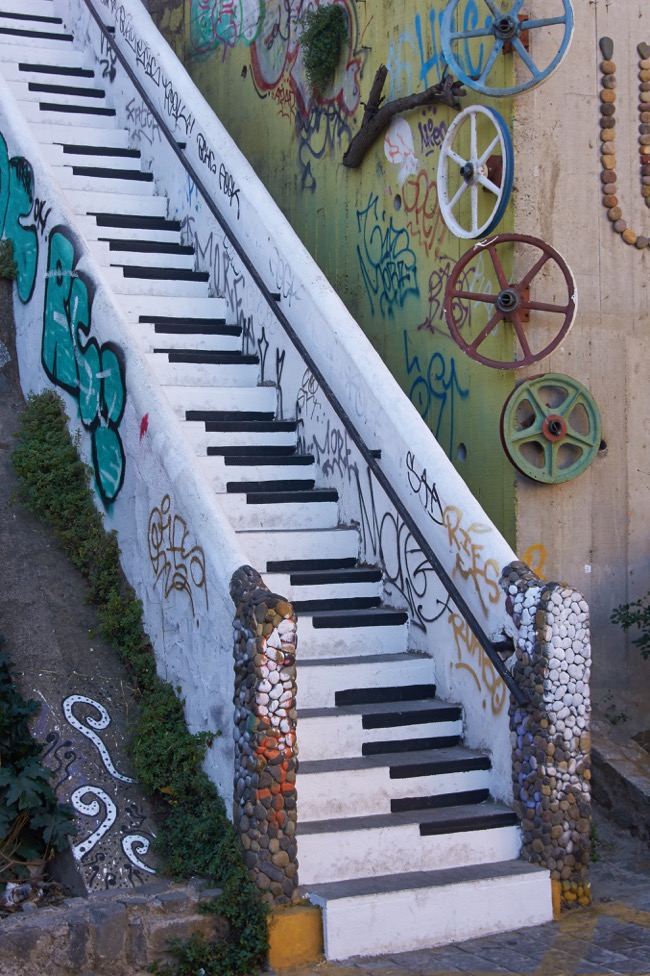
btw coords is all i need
(398, 838)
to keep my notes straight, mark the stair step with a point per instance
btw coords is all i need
(39, 38)
(383, 617)
(224, 470)
(68, 118)
(54, 53)
(270, 512)
(443, 800)
(63, 109)
(327, 585)
(255, 456)
(337, 733)
(215, 339)
(109, 151)
(48, 133)
(363, 785)
(251, 426)
(289, 565)
(255, 399)
(400, 912)
(207, 415)
(257, 487)
(383, 695)
(87, 201)
(113, 173)
(135, 221)
(336, 604)
(16, 70)
(206, 374)
(323, 681)
(150, 247)
(152, 306)
(353, 632)
(216, 358)
(344, 848)
(338, 543)
(77, 91)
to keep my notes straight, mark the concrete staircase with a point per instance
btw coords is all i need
(399, 839)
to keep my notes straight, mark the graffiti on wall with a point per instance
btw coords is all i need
(16, 203)
(436, 392)
(93, 373)
(175, 559)
(388, 264)
(472, 658)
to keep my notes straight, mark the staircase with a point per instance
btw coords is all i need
(399, 838)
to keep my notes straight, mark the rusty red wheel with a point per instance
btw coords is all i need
(516, 322)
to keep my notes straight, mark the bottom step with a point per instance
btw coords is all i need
(401, 912)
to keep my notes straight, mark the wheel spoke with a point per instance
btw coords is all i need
(516, 7)
(494, 8)
(540, 408)
(525, 56)
(474, 198)
(545, 307)
(526, 435)
(498, 267)
(521, 334)
(568, 404)
(573, 437)
(534, 271)
(488, 152)
(489, 185)
(456, 158)
(489, 64)
(473, 152)
(484, 333)
(475, 296)
(468, 35)
(458, 195)
(544, 22)
(550, 458)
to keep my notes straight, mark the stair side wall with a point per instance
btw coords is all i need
(467, 542)
(146, 481)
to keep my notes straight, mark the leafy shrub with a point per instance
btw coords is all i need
(324, 32)
(636, 614)
(8, 267)
(33, 825)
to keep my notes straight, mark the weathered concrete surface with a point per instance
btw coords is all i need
(621, 779)
(117, 933)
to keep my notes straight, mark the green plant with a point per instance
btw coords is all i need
(195, 836)
(636, 614)
(33, 825)
(8, 267)
(324, 33)
(613, 715)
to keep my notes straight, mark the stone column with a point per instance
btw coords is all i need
(265, 735)
(550, 735)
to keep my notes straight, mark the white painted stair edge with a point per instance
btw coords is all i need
(430, 909)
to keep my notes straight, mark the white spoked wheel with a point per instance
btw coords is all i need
(475, 172)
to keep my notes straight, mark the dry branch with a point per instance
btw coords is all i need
(376, 118)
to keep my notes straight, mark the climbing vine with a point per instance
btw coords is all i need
(324, 33)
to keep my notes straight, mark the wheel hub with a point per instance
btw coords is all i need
(507, 300)
(554, 427)
(506, 27)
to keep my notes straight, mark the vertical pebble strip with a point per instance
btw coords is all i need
(550, 735)
(265, 735)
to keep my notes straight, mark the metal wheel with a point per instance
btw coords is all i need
(550, 428)
(512, 308)
(476, 154)
(473, 49)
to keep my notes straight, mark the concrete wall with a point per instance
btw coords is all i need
(591, 531)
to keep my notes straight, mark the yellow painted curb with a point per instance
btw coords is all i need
(556, 895)
(295, 936)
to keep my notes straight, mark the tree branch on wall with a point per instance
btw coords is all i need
(376, 118)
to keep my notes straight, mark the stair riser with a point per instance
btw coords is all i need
(7, 41)
(47, 133)
(36, 8)
(202, 439)
(318, 683)
(102, 185)
(135, 306)
(14, 74)
(368, 853)
(337, 543)
(87, 202)
(57, 157)
(279, 583)
(349, 641)
(94, 233)
(284, 515)
(342, 736)
(364, 792)
(154, 286)
(22, 91)
(107, 258)
(69, 120)
(201, 374)
(149, 339)
(426, 917)
(221, 474)
(258, 398)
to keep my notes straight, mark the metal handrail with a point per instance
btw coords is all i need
(490, 648)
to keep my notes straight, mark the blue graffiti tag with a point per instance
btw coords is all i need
(434, 392)
(94, 375)
(388, 265)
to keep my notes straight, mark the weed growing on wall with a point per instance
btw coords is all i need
(33, 826)
(636, 614)
(8, 267)
(324, 33)
(195, 836)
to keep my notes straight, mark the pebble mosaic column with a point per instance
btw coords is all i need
(265, 735)
(550, 736)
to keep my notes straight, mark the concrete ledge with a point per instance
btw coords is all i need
(111, 933)
(621, 780)
(295, 936)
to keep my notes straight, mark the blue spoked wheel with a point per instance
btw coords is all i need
(475, 34)
(475, 172)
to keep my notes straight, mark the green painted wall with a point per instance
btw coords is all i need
(376, 231)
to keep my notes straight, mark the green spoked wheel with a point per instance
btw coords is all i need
(551, 428)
